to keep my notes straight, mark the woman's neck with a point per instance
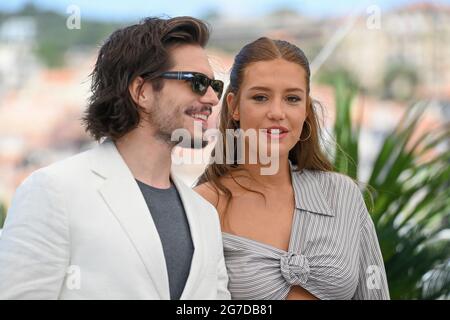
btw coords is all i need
(280, 178)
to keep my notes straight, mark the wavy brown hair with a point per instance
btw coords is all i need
(305, 154)
(130, 52)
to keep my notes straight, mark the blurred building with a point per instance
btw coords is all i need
(411, 47)
(17, 60)
(231, 34)
(409, 51)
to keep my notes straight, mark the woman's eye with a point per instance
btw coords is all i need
(293, 99)
(259, 98)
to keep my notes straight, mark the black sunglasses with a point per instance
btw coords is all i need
(199, 81)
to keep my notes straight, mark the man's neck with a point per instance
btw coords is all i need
(148, 158)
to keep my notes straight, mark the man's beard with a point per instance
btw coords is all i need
(165, 125)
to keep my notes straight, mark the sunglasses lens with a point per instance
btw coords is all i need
(200, 84)
(217, 86)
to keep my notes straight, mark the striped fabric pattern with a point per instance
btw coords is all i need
(333, 249)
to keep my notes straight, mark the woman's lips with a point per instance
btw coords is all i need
(276, 132)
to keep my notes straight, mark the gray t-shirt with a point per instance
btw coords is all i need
(171, 222)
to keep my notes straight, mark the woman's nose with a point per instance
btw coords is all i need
(276, 111)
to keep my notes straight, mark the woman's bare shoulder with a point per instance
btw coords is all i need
(208, 192)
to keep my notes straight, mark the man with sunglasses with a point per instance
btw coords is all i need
(113, 222)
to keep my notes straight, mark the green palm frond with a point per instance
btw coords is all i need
(410, 198)
(2, 214)
(346, 157)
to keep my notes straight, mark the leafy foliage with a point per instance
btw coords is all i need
(409, 193)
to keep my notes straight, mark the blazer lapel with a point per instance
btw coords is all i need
(124, 198)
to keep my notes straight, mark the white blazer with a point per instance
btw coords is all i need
(81, 229)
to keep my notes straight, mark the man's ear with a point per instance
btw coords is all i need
(233, 109)
(138, 94)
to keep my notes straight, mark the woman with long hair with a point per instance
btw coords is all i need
(303, 231)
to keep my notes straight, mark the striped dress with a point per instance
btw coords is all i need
(333, 249)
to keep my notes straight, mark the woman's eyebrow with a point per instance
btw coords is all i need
(262, 88)
(295, 89)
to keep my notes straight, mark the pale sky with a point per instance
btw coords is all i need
(136, 9)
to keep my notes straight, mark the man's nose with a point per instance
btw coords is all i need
(210, 97)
